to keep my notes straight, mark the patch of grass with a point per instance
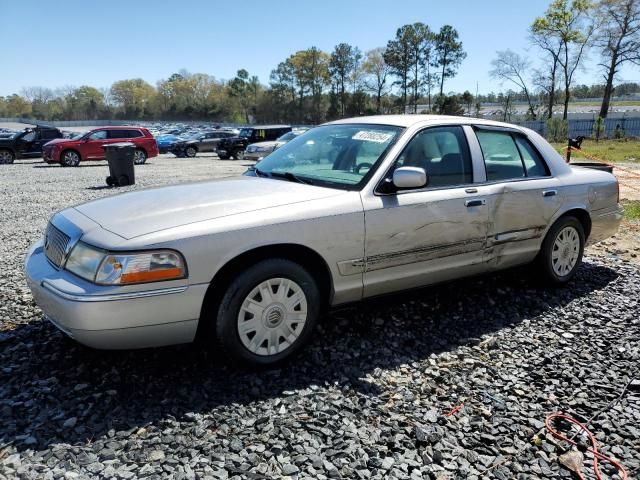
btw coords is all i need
(631, 209)
(622, 103)
(623, 150)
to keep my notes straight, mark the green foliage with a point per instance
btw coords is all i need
(557, 129)
(598, 128)
(631, 209)
(448, 105)
(448, 53)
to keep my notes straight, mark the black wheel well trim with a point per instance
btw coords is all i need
(13, 152)
(583, 217)
(304, 256)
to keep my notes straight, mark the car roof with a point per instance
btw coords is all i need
(264, 127)
(119, 127)
(410, 120)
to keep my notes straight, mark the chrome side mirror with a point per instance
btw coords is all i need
(409, 177)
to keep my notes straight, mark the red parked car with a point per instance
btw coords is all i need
(71, 151)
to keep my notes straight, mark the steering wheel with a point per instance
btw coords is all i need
(362, 165)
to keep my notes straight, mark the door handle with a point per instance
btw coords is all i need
(549, 193)
(475, 203)
(471, 190)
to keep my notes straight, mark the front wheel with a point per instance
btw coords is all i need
(190, 152)
(238, 154)
(139, 157)
(562, 249)
(6, 156)
(268, 312)
(70, 158)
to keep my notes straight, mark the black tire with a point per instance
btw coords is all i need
(190, 152)
(6, 156)
(226, 318)
(224, 157)
(238, 154)
(548, 267)
(70, 158)
(139, 157)
(110, 181)
(123, 181)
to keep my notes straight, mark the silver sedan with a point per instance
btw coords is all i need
(348, 210)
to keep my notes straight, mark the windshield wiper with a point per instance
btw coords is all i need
(292, 177)
(260, 173)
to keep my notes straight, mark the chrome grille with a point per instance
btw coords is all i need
(55, 245)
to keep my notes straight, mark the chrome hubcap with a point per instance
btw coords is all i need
(566, 250)
(272, 316)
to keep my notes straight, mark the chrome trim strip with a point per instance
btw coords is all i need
(110, 298)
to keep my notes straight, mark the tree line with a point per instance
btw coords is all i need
(564, 35)
(408, 74)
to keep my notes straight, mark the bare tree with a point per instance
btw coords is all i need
(571, 26)
(618, 41)
(510, 67)
(377, 71)
(547, 79)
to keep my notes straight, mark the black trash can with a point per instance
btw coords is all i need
(120, 157)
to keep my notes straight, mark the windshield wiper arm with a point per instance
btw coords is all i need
(291, 177)
(260, 173)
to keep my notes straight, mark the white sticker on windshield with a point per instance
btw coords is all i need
(369, 136)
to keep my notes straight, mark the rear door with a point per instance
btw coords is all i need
(522, 196)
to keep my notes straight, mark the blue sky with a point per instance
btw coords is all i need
(63, 42)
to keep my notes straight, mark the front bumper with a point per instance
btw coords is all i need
(108, 318)
(255, 156)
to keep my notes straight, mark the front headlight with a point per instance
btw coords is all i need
(262, 149)
(107, 268)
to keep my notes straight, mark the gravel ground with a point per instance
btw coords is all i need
(368, 399)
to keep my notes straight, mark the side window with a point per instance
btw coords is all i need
(99, 135)
(443, 153)
(29, 137)
(533, 163)
(113, 134)
(49, 134)
(135, 133)
(509, 157)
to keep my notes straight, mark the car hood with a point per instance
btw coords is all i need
(139, 213)
(60, 140)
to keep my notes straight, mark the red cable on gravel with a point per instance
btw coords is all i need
(594, 450)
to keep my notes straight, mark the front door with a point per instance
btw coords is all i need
(92, 148)
(436, 233)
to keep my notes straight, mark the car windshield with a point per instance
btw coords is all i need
(338, 156)
(287, 136)
(245, 132)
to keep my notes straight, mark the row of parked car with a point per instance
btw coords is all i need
(54, 146)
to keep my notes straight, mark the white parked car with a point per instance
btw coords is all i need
(348, 210)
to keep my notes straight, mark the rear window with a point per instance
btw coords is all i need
(135, 133)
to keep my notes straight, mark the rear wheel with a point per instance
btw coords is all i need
(268, 312)
(6, 156)
(70, 158)
(190, 152)
(139, 157)
(562, 249)
(223, 156)
(238, 154)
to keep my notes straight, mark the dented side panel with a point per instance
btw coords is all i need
(421, 237)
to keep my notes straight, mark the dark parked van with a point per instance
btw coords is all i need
(235, 146)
